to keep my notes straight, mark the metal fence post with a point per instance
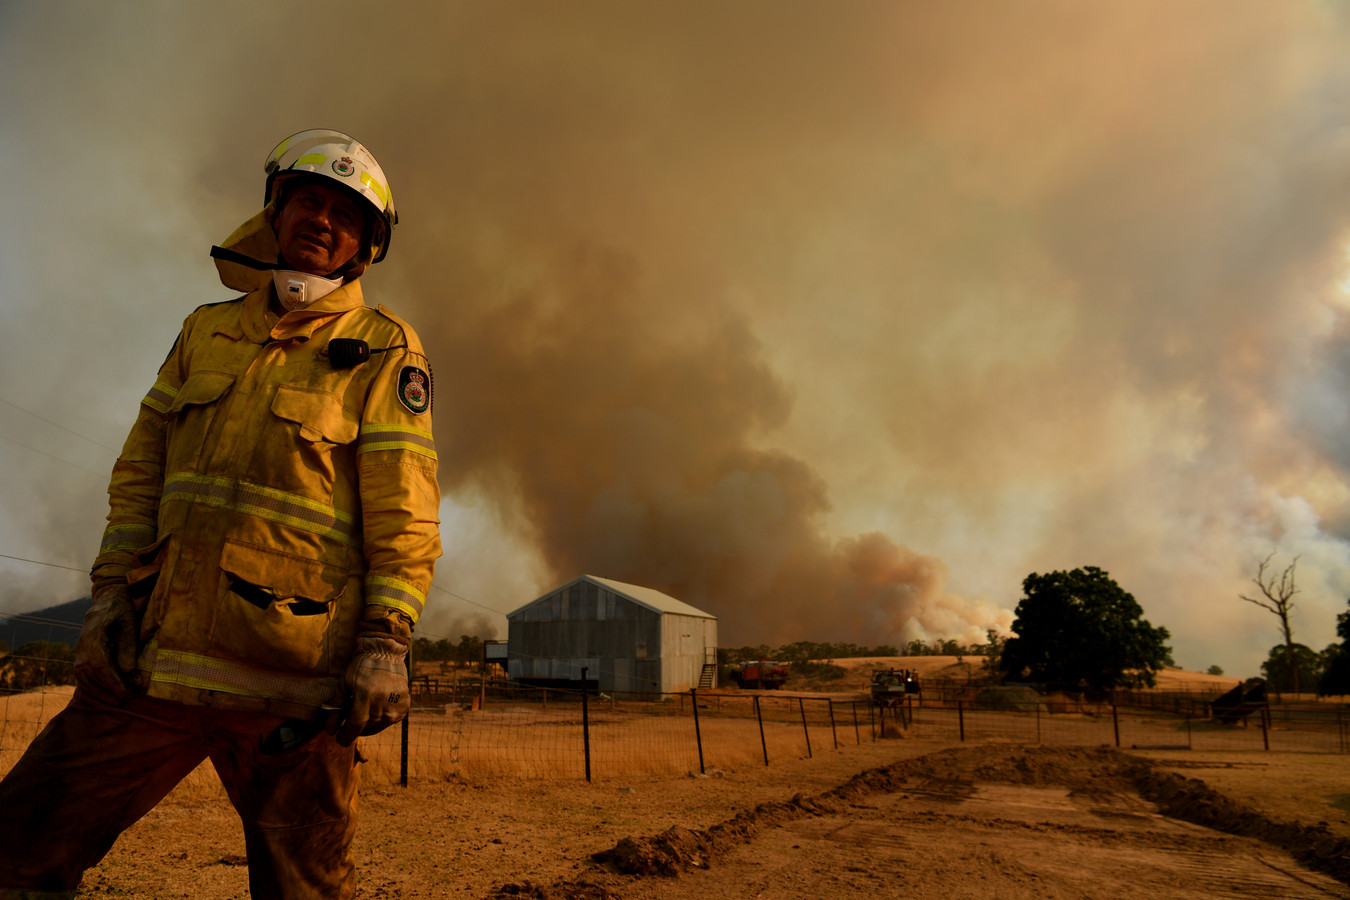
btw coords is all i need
(403, 739)
(806, 731)
(1265, 727)
(961, 718)
(698, 735)
(857, 735)
(834, 732)
(1115, 721)
(762, 743)
(482, 681)
(585, 722)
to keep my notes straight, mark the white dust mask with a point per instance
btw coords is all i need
(297, 290)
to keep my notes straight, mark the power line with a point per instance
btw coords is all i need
(464, 599)
(38, 562)
(57, 425)
(54, 456)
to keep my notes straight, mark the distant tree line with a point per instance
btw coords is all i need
(468, 650)
(35, 664)
(1297, 667)
(806, 651)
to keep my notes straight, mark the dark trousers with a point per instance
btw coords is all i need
(96, 769)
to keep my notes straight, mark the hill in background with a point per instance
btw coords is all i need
(60, 624)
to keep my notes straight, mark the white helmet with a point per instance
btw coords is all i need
(345, 160)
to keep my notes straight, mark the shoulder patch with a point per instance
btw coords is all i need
(414, 389)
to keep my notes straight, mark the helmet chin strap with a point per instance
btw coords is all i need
(297, 290)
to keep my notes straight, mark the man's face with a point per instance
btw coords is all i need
(319, 229)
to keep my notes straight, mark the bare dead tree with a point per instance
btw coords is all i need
(1277, 598)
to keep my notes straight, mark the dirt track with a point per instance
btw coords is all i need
(887, 819)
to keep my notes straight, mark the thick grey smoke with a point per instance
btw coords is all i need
(744, 302)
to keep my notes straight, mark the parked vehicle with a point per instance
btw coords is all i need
(764, 674)
(889, 687)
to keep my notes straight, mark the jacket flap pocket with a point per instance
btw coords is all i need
(149, 560)
(319, 414)
(200, 389)
(284, 575)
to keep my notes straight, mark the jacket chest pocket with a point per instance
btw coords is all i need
(314, 424)
(191, 415)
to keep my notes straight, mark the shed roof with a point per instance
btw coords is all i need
(652, 599)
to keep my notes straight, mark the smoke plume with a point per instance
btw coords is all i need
(836, 321)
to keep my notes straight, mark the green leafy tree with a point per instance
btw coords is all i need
(729, 655)
(1278, 674)
(796, 652)
(993, 651)
(1214, 670)
(1081, 629)
(470, 649)
(1336, 663)
(428, 650)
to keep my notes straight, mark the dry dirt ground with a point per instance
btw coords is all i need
(893, 818)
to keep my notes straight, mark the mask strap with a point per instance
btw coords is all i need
(241, 259)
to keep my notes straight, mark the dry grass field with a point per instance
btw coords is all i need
(959, 670)
(896, 817)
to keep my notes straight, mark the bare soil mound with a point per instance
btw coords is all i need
(954, 772)
(927, 821)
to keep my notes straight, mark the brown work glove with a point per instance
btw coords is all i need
(105, 654)
(377, 687)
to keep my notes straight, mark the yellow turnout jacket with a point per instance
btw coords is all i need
(270, 504)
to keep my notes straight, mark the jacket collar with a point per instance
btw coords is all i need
(299, 324)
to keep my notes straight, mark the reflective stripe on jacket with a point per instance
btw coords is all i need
(268, 505)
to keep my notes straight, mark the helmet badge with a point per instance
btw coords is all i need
(343, 166)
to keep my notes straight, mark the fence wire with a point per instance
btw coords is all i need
(464, 727)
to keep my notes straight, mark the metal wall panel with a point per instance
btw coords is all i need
(628, 646)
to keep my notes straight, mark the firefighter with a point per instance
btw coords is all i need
(270, 543)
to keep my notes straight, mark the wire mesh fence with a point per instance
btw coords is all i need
(466, 727)
(575, 736)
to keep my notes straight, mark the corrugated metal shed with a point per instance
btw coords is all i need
(631, 639)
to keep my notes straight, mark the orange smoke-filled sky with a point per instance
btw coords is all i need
(836, 320)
